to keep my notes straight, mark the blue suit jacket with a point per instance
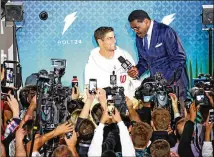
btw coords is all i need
(165, 55)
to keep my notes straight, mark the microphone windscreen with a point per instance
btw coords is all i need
(121, 59)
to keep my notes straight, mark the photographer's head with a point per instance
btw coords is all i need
(109, 153)
(160, 148)
(161, 119)
(105, 38)
(86, 130)
(96, 113)
(141, 134)
(26, 95)
(62, 151)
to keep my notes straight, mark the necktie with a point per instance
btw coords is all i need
(146, 43)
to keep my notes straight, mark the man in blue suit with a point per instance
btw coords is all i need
(159, 50)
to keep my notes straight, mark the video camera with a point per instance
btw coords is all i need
(202, 85)
(54, 95)
(115, 95)
(154, 89)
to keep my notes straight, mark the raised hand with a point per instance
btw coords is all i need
(14, 105)
(64, 128)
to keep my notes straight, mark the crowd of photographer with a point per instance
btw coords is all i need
(66, 124)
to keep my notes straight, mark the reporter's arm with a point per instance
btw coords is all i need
(86, 108)
(126, 142)
(41, 140)
(95, 148)
(20, 149)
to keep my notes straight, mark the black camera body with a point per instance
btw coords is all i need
(202, 85)
(154, 89)
(116, 96)
(200, 97)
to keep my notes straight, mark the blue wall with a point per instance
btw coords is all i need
(39, 41)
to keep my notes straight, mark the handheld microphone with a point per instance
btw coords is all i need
(126, 64)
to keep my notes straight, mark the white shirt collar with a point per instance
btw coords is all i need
(149, 33)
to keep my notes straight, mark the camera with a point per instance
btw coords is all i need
(154, 89)
(202, 85)
(115, 95)
(43, 15)
(26, 94)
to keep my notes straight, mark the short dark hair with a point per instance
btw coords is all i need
(100, 32)
(108, 153)
(96, 113)
(138, 15)
(141, 134)
(62, 150)
(160, 148)
(86, 129)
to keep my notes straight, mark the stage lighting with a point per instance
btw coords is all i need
(14, 11)
(207, 15)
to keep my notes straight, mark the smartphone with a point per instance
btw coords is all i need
(5, 90)
(92, 86)
(211, 118)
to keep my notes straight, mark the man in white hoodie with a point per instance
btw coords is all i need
(103, 60)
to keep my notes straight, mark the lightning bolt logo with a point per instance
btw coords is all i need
(69, 19)
(168, 19)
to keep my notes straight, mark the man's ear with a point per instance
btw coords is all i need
(99, 42)
(77, 133)
(152, 124)
(175, 132)
(147, 21)
(130, 128)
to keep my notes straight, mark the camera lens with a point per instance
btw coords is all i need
(43, 15)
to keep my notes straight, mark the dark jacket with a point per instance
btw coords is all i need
(166, 55)
(184, 147)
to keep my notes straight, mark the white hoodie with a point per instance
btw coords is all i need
(101, 68)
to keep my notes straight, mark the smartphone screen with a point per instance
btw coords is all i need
(92, 86)
(199, 99)
(211, 118)
(9, 75)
